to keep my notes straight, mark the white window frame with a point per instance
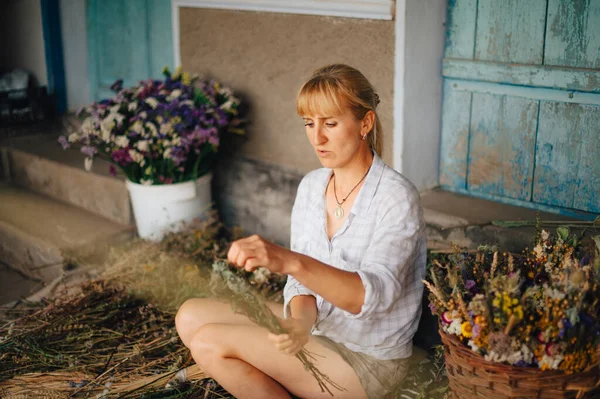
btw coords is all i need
(368, 9)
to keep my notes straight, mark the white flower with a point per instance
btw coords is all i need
(143, 145)
(73, 137)
(122, 141)
(106, 126)
(454, 327)
(176, 141)
(136, 157)
(174, 94)
(152, 128)
(153, 102)
(146, 182)
(166, 128)
(143, 115)
(118, 117)
(115, 109)
(137, 126)
(148, 171)
(473, 346)
(551, 362)
(87, 164)
(167, 153)
(132, 106)
(227, 106)
(88, 126)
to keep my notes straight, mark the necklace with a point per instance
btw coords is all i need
(339, 211)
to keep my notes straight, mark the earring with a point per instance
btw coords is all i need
(364, 136)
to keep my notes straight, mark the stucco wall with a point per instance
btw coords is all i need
(267, 57)
(22, 43)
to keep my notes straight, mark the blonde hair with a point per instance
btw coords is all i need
(334, 86)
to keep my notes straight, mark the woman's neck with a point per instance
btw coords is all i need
(347, 176)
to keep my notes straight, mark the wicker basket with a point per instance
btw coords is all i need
(471, 376)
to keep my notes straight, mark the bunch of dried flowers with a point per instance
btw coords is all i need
(540, 308)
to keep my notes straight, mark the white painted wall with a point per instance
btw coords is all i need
(22, 37)
(74, 37)
(420, 36)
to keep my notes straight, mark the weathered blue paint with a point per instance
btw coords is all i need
(129, 39)
(501, 145)
(556, 77)
(55, 69)
(525, 92)
(521, 110)
(454, 146)
(460, 31)
(573, 33)
(568, 156)
(510, 31)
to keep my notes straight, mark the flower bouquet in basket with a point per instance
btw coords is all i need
(163, 135)
(520, 325)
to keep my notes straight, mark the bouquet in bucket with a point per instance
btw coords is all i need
(540, 308)
(159, 131)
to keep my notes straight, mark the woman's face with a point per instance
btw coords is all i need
(336, 139)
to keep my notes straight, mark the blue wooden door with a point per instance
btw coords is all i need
(127, 39)
(521, 107)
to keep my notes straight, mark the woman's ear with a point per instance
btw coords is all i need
(368, 122)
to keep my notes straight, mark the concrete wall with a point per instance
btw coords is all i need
(268, 56)
(74, 37)
(22, 43)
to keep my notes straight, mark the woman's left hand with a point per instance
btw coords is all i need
(254, 251)
(294, 340)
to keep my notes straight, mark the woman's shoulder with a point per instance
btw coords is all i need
(311, 180)
(395, 187)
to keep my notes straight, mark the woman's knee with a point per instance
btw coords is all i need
(206, 345)
(189, 318)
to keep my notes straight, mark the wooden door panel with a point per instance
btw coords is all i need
(455, 136)
(573, 34)
(510, 31)
(567, 170)
(501, 145)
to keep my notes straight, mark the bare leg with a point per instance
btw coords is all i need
(237, 353)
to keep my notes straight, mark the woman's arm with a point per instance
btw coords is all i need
(349, 292)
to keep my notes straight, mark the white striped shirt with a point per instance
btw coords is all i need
(383, 240)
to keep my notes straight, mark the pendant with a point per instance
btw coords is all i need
(339, 212)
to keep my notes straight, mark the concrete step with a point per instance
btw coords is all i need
(38, 163)
(468, 222)
(38, 233)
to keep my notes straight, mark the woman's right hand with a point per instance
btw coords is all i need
(294, 340)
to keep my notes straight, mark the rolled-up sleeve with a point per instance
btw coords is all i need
(390, 258)
(292, 287)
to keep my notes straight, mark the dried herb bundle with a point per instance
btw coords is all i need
(245, 300)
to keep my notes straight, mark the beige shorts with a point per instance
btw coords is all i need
(379, 378)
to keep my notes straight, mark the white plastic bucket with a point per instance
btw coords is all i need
(162, 208)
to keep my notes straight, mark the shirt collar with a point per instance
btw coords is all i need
(365, 195)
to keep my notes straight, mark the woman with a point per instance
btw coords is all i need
(353, 295)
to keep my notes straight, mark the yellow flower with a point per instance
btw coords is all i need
(186, 79)
(466, 329)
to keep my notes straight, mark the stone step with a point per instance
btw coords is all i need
(38, 163)
(38, 233)
(469, 222)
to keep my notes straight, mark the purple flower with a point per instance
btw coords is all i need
(112, 169)
(64, 142)
(476, 330)
(89, 151)
(178, 155)
(470, 284)
(121, 156)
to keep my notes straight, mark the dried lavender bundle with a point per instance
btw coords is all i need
(227, 283)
